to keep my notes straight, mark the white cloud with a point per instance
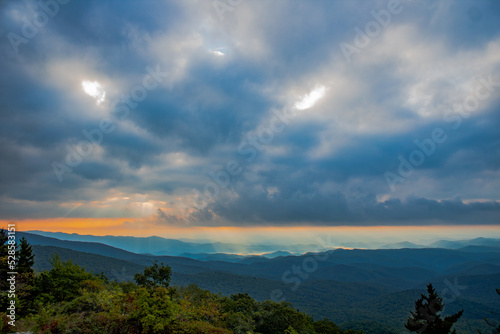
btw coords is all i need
(310, 99)
(217, 53)
(94, 89)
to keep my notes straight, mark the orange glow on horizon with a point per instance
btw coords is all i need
(95, 226)
(145, 228)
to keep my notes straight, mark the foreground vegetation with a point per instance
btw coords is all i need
(68, 299)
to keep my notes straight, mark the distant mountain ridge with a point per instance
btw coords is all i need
(403, 244)
(464, 243)
(410, 265)
(162, 246)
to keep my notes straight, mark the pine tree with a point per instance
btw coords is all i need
(25, 257)
(3, 253)
(26, 277)
(3, 268)
(427, 319)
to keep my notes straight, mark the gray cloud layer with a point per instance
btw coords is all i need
(223, 81)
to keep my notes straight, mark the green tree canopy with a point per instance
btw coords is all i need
(326, 326)
(154, 276)
(62, 282)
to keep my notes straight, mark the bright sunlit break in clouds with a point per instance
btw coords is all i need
(274, 114)
(217, 53)
(94, 89)
(310, 99)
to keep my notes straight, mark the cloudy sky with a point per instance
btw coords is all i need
(136, 117)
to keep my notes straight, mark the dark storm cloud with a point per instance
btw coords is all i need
(297, 181)
(224, 79)
(310, 207)
(209, 108)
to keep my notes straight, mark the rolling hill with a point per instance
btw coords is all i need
(374, 289)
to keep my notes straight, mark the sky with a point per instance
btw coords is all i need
(188, 117)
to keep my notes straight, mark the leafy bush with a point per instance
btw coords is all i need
(63, 282)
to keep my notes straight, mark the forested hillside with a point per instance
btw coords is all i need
(68, 299)
(369, 290)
